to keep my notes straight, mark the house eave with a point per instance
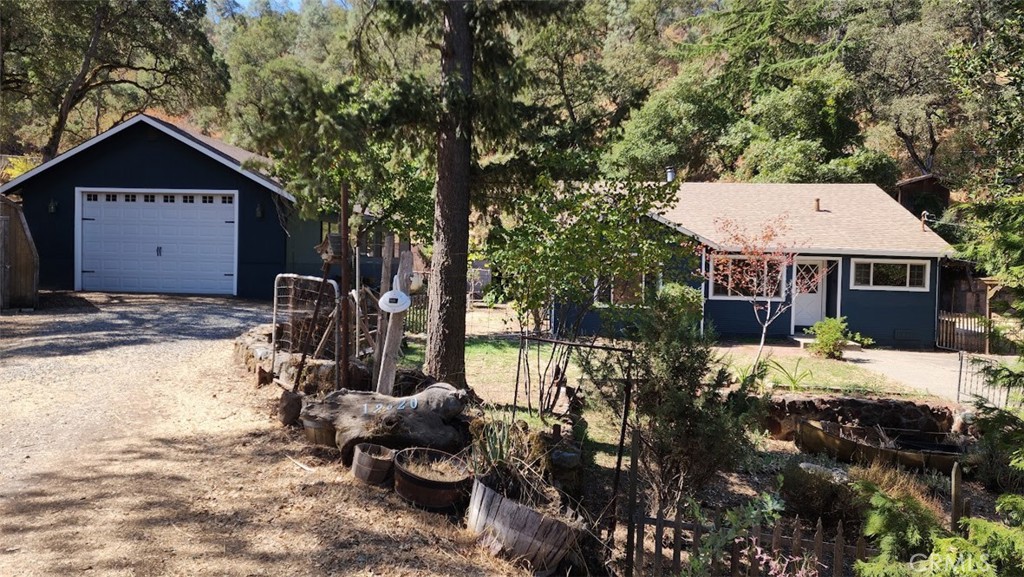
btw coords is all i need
(256, 177)
(683, 230)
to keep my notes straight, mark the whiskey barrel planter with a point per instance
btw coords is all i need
(447, 495)
(517, 531)
(372, 463)
(319, 432)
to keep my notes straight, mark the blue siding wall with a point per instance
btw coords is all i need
(735, 318)
(143, 157)
(899, 319)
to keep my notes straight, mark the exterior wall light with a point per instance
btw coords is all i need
(259, 210)
(52, 207)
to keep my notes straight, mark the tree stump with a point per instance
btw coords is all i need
(430, 418)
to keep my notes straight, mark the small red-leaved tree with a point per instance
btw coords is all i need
(756, 267)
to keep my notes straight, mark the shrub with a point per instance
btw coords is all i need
(690, 426)
(830, 335)
(902, 527)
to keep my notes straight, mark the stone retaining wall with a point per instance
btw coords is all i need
(785, 411)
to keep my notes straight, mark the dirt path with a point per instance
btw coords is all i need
(131, 445)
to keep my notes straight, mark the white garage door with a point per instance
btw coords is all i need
(158, 241)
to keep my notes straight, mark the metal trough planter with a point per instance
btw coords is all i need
(447, 495)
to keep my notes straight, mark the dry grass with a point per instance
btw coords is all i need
(900, 483)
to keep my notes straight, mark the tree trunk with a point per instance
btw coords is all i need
(446, 320)
(76, 89)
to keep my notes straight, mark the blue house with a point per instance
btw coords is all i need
(149, 206)
(869, 259)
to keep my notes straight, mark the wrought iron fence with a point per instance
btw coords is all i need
(974, 383)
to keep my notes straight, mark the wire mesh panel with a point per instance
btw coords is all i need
(974, 382)
(305, 314)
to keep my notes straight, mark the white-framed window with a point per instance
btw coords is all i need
(890, 275)
(92, 197)
(732, 278)
(111, 198)
(129, 198)
(149, 198)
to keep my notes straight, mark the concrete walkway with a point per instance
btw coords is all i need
(935, 372)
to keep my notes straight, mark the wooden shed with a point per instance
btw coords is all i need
(19, 261)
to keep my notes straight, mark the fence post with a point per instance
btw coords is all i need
(838, 553)
(677, 541)
(960, 376)
(631, 515)
(659, 533)
(956, 498)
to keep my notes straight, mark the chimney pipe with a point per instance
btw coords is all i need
(670, 173)
(817, 205)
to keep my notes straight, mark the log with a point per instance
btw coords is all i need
(430, 418)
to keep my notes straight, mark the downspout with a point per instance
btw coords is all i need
(938, 297)
(703, 286)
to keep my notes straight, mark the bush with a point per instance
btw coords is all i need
(902, 527)
(830, 336)
(690, 426)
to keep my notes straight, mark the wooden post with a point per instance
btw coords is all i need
(631, 514)
(385, 285)
(861, 549)
(797, 545)
(393, 342)
(956, 497)
(777, 536)
(641, 523)
(838, 553)
(659, 533)
(734, 559)
(819, 535)
(345, 316)
(753, 570)
(677, 541)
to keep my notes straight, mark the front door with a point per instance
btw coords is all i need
(809, 293)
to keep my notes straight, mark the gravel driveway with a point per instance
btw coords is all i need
(87, 367)
(131, 445)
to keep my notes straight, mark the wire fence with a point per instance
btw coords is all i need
(975, 383)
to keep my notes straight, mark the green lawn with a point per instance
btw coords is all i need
(826, 375)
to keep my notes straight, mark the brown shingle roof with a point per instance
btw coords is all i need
(856, 219)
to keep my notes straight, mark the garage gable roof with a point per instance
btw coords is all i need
(231, 156)
(848, 219)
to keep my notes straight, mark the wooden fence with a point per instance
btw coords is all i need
(962, 332)
(20, 259)
(832, 558)
(416, 316)
(5, 275)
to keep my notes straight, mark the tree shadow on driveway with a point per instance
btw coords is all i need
(107, 321)
(231, 504)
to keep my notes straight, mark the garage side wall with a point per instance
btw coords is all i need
(143, 157)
